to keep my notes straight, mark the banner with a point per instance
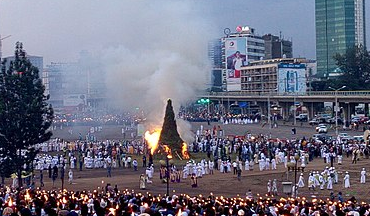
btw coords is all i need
(292, 78)
(236, 58)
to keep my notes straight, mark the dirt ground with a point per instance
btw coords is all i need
(219, 183)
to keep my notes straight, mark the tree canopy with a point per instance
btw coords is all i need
(355, 66)
(25, 115)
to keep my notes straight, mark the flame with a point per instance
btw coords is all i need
(152, 139)
(184, 151)
(10, 204)
(168, 151)
(179, 213)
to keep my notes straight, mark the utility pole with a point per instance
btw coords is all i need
(336, 106)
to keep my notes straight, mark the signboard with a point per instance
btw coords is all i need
(292, 78)
(140, 130)
(235, 51)
(73, 100)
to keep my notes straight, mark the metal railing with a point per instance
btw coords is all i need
(312, 93)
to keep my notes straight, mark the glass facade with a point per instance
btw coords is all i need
(335, 31)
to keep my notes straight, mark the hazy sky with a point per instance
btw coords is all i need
(59, 30)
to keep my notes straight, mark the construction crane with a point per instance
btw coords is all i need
(1, 39)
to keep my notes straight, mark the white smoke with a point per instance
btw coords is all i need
(169, 61)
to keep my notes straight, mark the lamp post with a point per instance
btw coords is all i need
(168, 175)
(269, 110)
(336, 107)
(296, 157)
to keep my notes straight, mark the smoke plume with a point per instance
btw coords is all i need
(165, 58)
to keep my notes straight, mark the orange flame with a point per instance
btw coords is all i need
(184, 151)
(168, 151)
(152, 139)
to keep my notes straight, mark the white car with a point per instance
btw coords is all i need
(322, 128)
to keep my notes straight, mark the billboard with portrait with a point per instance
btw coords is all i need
(235, 51)
(292, 78)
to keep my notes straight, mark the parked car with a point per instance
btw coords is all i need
(322, 128)
(302, 117)
(322, 137)
(314, 121)
(332, 120)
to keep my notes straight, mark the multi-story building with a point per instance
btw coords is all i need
(283, 75)
(276, 47)
(340, 24)
(74, 86)
(238, 49)
(36, 61)
(215, 56)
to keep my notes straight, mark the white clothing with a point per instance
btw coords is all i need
(346, 181)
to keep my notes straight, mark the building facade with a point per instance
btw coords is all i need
(36, 61)
(283, 75)
(75, 86)
(238, 50)
(340, 24)
(276, 47)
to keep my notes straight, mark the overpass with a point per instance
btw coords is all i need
(314, 100)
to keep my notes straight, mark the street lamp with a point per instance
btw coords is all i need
(336, 106)
(296, 157)
(168, 157)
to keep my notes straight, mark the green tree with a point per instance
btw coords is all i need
(169, 134)
(355, 66)
(25, 115)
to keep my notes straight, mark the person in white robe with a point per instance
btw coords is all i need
(274, 188)
(211, 165)
(329, 186)
(267, 164)
(346, 180)
(273, 164)
(246, 165)
(251, 165)
(142, 182)
(340, 159)
(269, 187)
(70, 176)
(311, 182)
(363, 176)
(322, 182)
(301, 181)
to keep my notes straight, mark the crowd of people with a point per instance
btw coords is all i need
(225, 154)
(113, 201)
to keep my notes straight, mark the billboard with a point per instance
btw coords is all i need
(292, 78)
(235, 51)
(73, 100)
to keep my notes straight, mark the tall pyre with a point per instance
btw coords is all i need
(167, 140)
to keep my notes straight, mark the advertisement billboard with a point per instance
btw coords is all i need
(292, 78)
(235, 51)
(73, 100)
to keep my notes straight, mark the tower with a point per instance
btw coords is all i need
(340, 24)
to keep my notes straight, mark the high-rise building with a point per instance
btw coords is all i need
(340, 24)
(238, 49)
(276, 47)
